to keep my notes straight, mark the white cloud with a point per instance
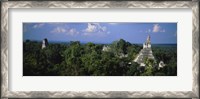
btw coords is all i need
(38, 25)
(94, 28)
(67, 31)
(72, 32)
(58, 30)
(91, 27)
(104, 29)
(157, 28)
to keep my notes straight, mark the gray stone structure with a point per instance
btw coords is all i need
(106, 48)
(45, 43)
(145, 52)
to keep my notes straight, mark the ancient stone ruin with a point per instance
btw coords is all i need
(145, 52)
(45, 43)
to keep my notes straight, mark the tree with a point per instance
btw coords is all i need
(133, 69)
(72, 58)
(76, 59)
(149, 70)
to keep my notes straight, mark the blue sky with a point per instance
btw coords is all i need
(161, 33)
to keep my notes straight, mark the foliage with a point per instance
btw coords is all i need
(76, 59)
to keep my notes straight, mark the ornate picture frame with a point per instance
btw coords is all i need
(6, 5)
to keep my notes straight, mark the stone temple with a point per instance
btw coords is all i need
(145, 52)
(45, 43)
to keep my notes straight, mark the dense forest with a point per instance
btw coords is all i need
(77, 59)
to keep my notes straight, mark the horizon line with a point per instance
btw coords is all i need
(92, 42)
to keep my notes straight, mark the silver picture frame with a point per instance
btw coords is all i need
(6, 5)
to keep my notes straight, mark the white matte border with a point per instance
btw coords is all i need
(182, 82)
